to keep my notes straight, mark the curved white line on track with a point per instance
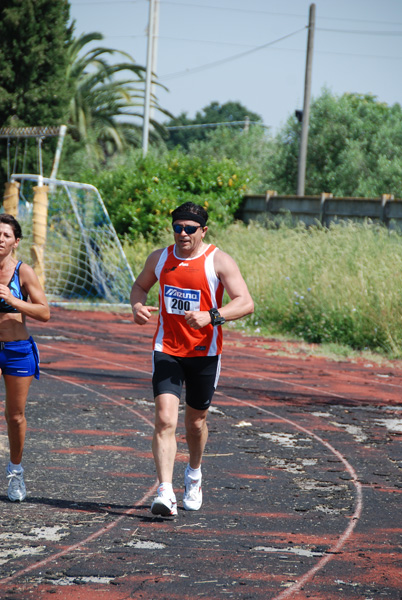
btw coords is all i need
(236, 352)
(88, 388)
(382, 382)
(359, 496)
(231, 372)
(353, 519)
(227, 370)
(311, 572)
(102, 360)
(88, 539)
(102, 530)
(298, 385)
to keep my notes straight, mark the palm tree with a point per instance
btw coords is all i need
(104, 112)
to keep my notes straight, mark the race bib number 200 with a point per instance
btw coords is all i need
(177, 300)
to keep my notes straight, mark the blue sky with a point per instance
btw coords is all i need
(357, 48)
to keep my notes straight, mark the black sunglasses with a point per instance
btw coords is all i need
(189, 229)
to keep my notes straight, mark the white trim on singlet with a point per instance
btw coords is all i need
(192, 258)
(158, 269)
(213, 283)
(161, 262)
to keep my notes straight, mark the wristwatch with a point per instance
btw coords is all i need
(216, 317)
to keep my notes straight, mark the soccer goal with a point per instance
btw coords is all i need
(83, 257)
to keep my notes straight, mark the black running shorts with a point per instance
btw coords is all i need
(199, 373)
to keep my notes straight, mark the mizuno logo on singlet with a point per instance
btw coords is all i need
(173, 292)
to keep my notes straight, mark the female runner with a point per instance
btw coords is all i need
(19, 357)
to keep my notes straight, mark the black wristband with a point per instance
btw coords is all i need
(216, 317)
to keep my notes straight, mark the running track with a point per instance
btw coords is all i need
(302, 476)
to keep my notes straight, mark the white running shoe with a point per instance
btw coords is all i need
(164, 504)
(16, 486)
(192, 498)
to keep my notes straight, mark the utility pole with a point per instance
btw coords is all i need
(306, 106)
(148, 78)
(155, 35)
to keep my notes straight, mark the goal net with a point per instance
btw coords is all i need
(83, 257)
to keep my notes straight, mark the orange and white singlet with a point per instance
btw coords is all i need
(187, 284)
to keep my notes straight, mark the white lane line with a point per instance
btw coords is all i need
(102, 530)
(359, 496)
(353, 519)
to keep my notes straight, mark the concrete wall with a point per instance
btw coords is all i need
(325, 209)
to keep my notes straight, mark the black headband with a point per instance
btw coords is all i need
(188, 216)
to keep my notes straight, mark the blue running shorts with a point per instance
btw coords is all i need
(20, 358)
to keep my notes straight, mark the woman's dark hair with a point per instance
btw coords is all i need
(15, 226)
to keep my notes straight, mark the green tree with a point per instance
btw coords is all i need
(354, 148)
(252, 150)
(140, 193)
(230, 112)
(34, 36)
(33, 40)
(105, 113)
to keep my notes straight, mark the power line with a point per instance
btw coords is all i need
(80, 3)
(177, 39)
(355, 55)
(274, 13)
(360, 31)
(298, 50)
(333, 52)
(230, 58)
(232, 9)
(128, 35)
(217, 43)
(228, 123)
(240, 55)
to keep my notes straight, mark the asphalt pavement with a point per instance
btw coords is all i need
(301, 477)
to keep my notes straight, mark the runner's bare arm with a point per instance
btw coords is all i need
(139, 292)
(38, 307)
(240, 304)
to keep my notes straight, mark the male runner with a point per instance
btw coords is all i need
(187, 343)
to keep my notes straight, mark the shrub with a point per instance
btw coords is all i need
(141, 193)
(340, 284)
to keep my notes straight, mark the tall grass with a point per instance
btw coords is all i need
(340, 285)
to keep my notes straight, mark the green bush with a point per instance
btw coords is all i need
(339, 285)
(141, 193)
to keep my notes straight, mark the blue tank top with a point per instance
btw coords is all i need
(15, 287)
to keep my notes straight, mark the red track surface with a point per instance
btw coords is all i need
(302, 476)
